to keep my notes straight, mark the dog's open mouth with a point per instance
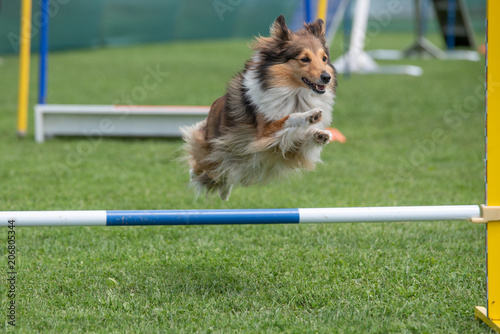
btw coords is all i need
(320, 89)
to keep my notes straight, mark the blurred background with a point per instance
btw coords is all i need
(95, 23)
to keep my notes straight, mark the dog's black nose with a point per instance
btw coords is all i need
(325, 77)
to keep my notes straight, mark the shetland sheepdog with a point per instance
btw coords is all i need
(272, 119)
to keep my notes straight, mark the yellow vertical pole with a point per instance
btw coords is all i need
(322, 7)
(24, 68)
(491, 314)
(493, 157)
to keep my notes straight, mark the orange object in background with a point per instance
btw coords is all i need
(337, 135)
(482, 49)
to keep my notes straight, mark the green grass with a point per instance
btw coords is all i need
(411, 141)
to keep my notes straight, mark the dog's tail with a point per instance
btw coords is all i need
(197, 152)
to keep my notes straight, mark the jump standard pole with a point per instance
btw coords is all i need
(491, 313)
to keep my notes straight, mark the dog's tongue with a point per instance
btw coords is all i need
(320, 87)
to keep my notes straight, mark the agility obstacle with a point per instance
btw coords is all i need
(53, 120)
(491, 313)
(243, 216)
(93, 121)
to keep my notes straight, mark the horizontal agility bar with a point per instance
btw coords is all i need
(96, 121)
(237, 216)
(122, 110)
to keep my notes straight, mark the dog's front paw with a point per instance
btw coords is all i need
(322, 137)
(315, 116)
(304, 119)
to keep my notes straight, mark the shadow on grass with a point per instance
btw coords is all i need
(207, 280)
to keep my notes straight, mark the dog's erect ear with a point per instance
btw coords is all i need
(317, 28)
(280, 30)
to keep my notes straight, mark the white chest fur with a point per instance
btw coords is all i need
(277, 102)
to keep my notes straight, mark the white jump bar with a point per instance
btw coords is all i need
(114, 120)
(240, 216)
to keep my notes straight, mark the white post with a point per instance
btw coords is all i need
(356, 60)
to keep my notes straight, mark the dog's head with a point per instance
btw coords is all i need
(296, 59)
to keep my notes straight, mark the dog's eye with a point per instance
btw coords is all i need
(305, 60)
(324, 58)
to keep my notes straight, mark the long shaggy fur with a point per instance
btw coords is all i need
(271, 121)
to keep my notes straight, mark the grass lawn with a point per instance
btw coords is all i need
(410, 141)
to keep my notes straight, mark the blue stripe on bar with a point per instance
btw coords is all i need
(202, 217)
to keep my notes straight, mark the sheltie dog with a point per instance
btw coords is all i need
(272, 119)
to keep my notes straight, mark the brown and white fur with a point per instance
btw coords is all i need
(272, 119)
